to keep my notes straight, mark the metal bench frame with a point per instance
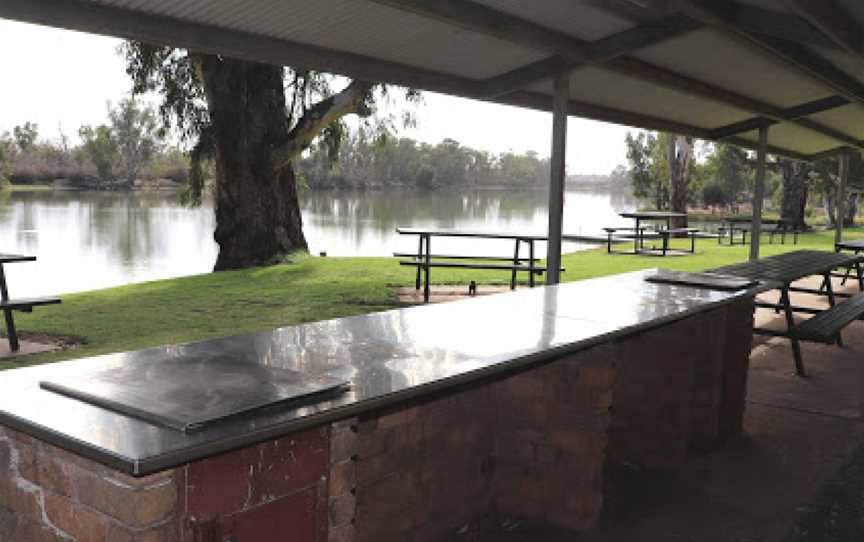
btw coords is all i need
(642, 233)
(785, 270)
(423, 259)
(23, 305)
(779, 228)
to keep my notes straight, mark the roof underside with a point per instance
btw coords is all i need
(715, 70)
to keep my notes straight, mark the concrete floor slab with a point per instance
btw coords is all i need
(26, 348)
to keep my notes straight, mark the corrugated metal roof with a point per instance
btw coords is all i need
(356, 26)
(849, 119)
(706, 54)
(444, 47)
(574, 18)
(603, 87)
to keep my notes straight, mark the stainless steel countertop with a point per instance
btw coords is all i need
(388, 357)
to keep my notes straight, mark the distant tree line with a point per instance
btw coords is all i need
(717, 176)
(128, 149)
(372, 160)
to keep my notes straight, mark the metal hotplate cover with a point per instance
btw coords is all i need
(188, 394)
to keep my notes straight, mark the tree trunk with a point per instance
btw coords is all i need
(257, 211)
(795, 188)
(680, 157)
(830, 211)
(851, 210)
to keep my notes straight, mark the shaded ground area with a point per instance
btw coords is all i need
(765, 486)
(442, 294)
(30, 344)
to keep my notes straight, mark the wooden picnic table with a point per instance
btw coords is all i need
(422, 259)
(855, 247)
(651, 216)
(742, 224)
(787, 268)
(24, 304)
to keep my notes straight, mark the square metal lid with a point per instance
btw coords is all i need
(188, 394)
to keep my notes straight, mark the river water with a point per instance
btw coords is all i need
(91, 240)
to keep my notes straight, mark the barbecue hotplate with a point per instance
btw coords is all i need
(190, 394)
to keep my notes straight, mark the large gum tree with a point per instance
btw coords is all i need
(252, 120)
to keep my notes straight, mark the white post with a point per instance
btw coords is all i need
(758, 194)
(840, 208)
(556, 181)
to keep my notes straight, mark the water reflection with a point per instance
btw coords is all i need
(89, 240)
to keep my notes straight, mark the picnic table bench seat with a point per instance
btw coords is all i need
(537, 269)
(27, 304)
(826, 326)
(7, 305)
(770, 227)
(461, 257)
(641, 234)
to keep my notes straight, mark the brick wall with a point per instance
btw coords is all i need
(680, 386)
(264, 493)
(529, 447)
(271, 492)
(47, 494)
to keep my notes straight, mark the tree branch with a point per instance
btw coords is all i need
(352, 99)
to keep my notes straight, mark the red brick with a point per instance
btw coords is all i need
(343, 445)
(31, 531)
(220, 484)
(78, 521)
(343, 533)
(50, 474)
(343, 478)
(243, 479)
(597, 376)
(342, 509)
(289, 465)
(142, 482)
(23, 501)
(291, 518)
(163, 533)
(397, 418)
(525, 386)
(136, 508)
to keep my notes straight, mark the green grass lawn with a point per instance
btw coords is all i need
(309, 289)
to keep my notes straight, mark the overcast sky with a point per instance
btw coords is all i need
(60, 78)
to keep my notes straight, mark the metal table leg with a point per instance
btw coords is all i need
(419, 259)
(7, 314)
(515, 262)
(860, 275)
(790, 330)
(426, 268)
(829, 289)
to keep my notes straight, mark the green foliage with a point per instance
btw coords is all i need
(649, 169)
(368, 159)
(102, 149)
(728, 176)
(135, 131)
(26, 135)
(174, 74)
(714, 194)
(171, 163)
(124, 146)
(7, 153)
